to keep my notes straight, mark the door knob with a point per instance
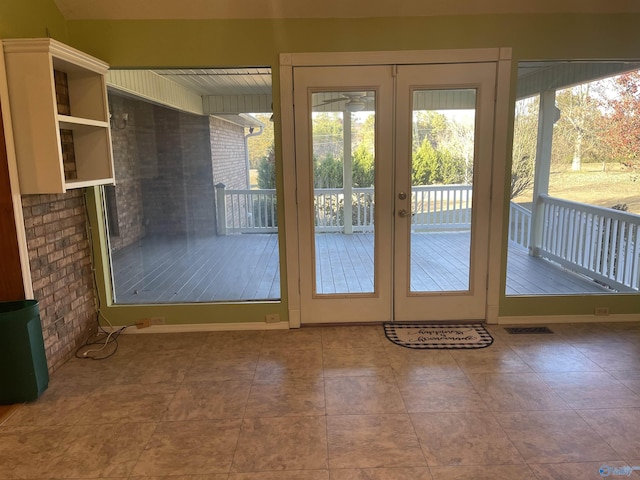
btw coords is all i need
(402, 196)
(403, 213)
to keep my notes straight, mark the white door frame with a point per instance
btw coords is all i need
(502, 57)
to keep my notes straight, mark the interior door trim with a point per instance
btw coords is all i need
(502, 56)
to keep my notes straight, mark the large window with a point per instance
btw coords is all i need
(193, 215)
(575, 187)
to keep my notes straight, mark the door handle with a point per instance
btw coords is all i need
(402, 196)
(403, 213)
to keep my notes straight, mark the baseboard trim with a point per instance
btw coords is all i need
(550, 319)
(203, 327)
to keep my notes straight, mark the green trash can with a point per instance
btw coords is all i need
(23, 365)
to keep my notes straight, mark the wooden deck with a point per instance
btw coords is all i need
(246, 268)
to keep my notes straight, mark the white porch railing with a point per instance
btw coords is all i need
(434, 207)
(519, 225)
(602, 243)
(246, 211)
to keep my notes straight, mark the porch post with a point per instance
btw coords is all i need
(347, 173)
(548, 115)
(221, 209)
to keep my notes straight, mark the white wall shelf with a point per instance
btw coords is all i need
(59, 109)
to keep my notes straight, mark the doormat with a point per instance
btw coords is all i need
(527, 330)
(438, 336)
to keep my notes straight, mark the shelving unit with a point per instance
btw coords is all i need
(60, 115)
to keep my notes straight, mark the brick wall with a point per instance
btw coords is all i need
(227, 154)
(60, 260)
(164, 180)
(180, 199)
(130, 142)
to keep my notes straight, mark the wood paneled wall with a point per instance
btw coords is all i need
(11, 282)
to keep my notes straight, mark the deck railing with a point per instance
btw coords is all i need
(519, 225)
(434, 207)
(602, 243)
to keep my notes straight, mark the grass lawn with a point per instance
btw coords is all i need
(593, 186)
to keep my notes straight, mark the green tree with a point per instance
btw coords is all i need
(267, 170)
(328, 172)
(260, 145)
(327, 135)
(363, 167)
(424, 164)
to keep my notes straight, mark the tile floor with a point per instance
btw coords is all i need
(337, 403)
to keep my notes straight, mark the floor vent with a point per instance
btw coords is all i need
(527, 330)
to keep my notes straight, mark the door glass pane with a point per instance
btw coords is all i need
(343, 145)
(443, 131)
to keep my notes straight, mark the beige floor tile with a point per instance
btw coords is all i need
(490, 360)
(276, 365)
(414, 473)
(296, 339)
(485, 472)
(100, 450)
(233, 342)
(618, 356)
(511, 392)
(128, 403)
(591, 390)
(26, 452)
(425, 365)
(287, 397)
(456, 395)
(218, 367)
(58, 405)
(87, 372)
(362, 395)
(215, 476)
(555, 358)
(281, 443)
(352, 337)
(554, 437)
(209, 400)
(297, 475)
(355, 362)
(629, 378)
(583, 471)
(463, 439)
(186, 344)
(619, 427)
(371, 441)
(163, 367)
(198, 447)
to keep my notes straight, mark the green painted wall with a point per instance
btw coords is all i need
(204, 43)
(31, 18)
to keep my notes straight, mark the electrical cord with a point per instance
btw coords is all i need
(100, 341)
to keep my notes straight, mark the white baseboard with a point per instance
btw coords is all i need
(203, 327)
(550, 319)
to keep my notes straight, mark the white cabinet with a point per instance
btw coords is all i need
(60, 116)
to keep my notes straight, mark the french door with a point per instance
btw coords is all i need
(393, 173)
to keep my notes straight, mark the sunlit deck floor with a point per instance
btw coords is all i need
(246, 267)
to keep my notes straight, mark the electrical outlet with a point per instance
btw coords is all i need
(601, 311)
(144, 323)
(272, 318)
(157, 321)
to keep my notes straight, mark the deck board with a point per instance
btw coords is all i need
(246, 268)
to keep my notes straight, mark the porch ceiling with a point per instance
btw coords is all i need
(248, 90)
